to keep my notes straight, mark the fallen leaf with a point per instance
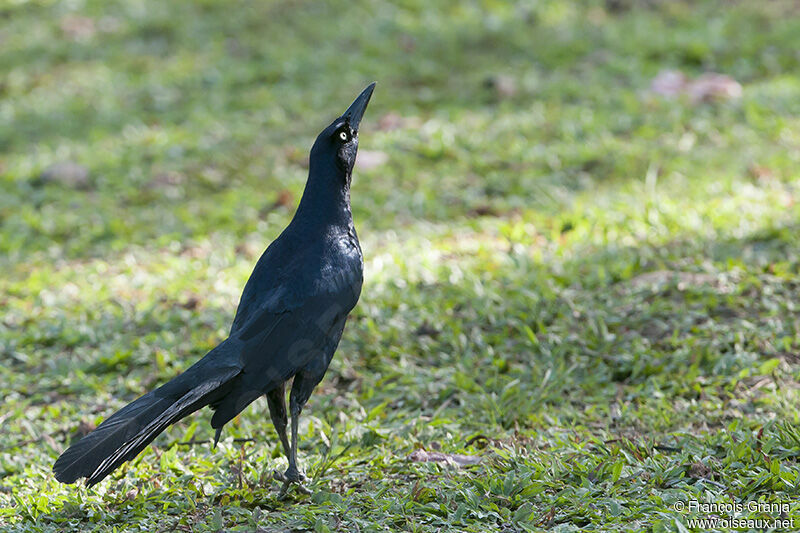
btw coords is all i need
(502, 86)
(77, 28)
(683, 279)
(296, 156)
(760, 173)
(285, 199)
(452, 459)
(191, 303)
(709, 87)
(67, 173)
(699, 470)
(712, 86)
(669, 83)
(482, 211)
(83, 429)
(166, 180)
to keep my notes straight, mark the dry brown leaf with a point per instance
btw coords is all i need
(699, 470)
(761, 173)
(78, 28)
(709, 87)
(712, 86)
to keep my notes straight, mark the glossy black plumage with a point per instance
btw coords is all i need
(288, 323)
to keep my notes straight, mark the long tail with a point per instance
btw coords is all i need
(128, 431)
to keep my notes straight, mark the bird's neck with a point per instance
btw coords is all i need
(326, 199)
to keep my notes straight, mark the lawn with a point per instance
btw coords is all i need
(589, 287)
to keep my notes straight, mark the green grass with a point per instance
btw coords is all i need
(592, 288)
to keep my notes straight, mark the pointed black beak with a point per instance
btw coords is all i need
(356, 110)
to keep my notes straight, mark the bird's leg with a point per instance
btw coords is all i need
(301, 390)
(293, 474)
(293, 471)
(276, 399)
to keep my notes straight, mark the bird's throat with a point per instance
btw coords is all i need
(326, 197)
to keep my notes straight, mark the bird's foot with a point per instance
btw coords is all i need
(292, 476)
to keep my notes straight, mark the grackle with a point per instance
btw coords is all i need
(288, 324)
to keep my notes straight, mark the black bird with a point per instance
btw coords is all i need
(289, 321)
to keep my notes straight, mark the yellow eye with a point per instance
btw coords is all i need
(343, 135)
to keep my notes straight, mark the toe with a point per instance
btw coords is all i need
(293, 475)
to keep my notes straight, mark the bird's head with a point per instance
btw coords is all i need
(338, 143)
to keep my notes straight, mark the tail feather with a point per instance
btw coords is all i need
(128, 431)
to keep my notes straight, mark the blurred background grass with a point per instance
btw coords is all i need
(559, 258)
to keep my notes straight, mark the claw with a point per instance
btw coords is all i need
(282, 492)
(291, 477)
(285, 488)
